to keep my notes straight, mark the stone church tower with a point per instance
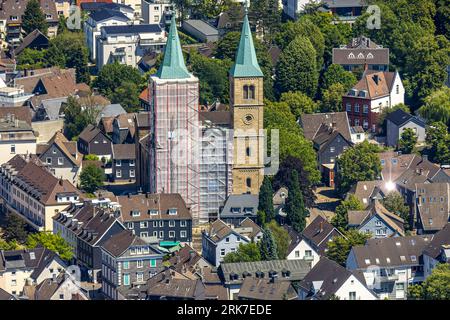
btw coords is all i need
(246, 100)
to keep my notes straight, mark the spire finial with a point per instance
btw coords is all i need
(246, 5)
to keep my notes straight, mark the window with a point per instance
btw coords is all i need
(378, 223)
(60, 161)
(118, 163)
(135, 213)
(249, 182)
(140, 277)
(144, 235)
(183, 223)
(172, 223)
(161, 223)
(140, 263)
(171, 234)
(332, 149)
(48, 161)
(132, 173)
(352, 295)
(356, 122)
(399, 286)
(183, 234)
(153, 263)
(13, 283)
(348, 107)
(238, 239)
(249, 92)
(397, 89)
(132, 163)
(143, 224)
(61, 296)
(173, 211)
(247, 152)
(365, 108)
(156, 18)
(119, 173)
(154, 212)
(126, 279)
(161, 234)
(357, 108)
(126, 265)
(222, 252)
(308, 255)
(297, 254)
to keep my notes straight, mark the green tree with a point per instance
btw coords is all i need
(213, 76)
(261, 218)
(299, 59)
(332, 98)
(442, 18)
(15, 229)
(265, 15)
(68, 50)
(127, 95)
(34, 18)
(360, 163)
(76, 119)
(407, 141)
(91, 178)
(53, 242)
(281, 237)
(299, 103)
(31, 59)
(278, 116)
(395, 203)
(443, 150)
(340, 219)
(337, 74)
(91, 157)
(295, 207)
(7, 246)
(245, 253)
(437, 106)
(435, 287)
(266, 199)
(268, 246)
(339, 247)
(113, 75)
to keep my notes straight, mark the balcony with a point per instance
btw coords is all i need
(387, 278)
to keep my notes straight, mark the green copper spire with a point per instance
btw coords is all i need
(246, 64)
(173, 66)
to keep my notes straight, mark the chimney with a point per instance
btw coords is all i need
(425, 157)
(61, 182)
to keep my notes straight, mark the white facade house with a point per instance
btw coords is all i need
(96, 21)
(328, 280)
(16, 137)
(302, 250)
(157, 11)
(128, 44)
(135, 4)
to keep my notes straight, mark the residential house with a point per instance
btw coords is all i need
(128, 44)
(311, 123)
(234, 274)
(134, 4)
(266, 289)
(328, 280)
(329, 144)
(361, 53)
(375, 91)
(18, 113)
(17, 267)
(108, 109)
(144, 99)
(123, 128)
(93, 141)
(12, 96)
(345, 11)
(200, 30)
(433, 206)
(367, 191)
(11, 14)
(102, 5)
(123, 162)
(189, 262)
(33, 193)
(98, 19)
(357, 134)
(238, 207)
(279, 202)
(437, 251)
(312, 243)
(61, 157)
(157, 11)
(221, 238)
(127, 261)
(377, 221)
(16, 137)
(162, 217)
(390, 265)
(35, 40)
(60, 287)
(398, 121)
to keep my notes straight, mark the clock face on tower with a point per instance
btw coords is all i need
(248, 119)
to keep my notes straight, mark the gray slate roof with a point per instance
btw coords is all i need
(241, 201)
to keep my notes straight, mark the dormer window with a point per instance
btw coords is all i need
(248, 210)
(135, 213)
(173, 211)
(235, 210)
(153, 212)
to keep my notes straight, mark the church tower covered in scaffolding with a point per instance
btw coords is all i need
(174, 127)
